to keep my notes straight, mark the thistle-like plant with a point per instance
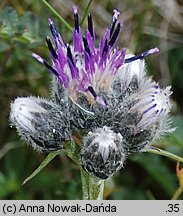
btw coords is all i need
(102, 101)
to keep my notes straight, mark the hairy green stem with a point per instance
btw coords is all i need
(93, 188)
(54, 12)
(85, 184)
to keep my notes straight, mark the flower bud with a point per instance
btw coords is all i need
(154, 104)
(102, 153)
(40, 122)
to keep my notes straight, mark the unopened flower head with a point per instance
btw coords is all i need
(100, 91)
(40, 122)
(102, 153)
(153, 104)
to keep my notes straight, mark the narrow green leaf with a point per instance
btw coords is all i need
(47, 160)
(54, 12)
(85, 13)
(164, 153)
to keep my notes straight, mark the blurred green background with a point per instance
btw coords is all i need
(23, 28)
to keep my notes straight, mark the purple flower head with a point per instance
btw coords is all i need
(82, 68)
(101, 93)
